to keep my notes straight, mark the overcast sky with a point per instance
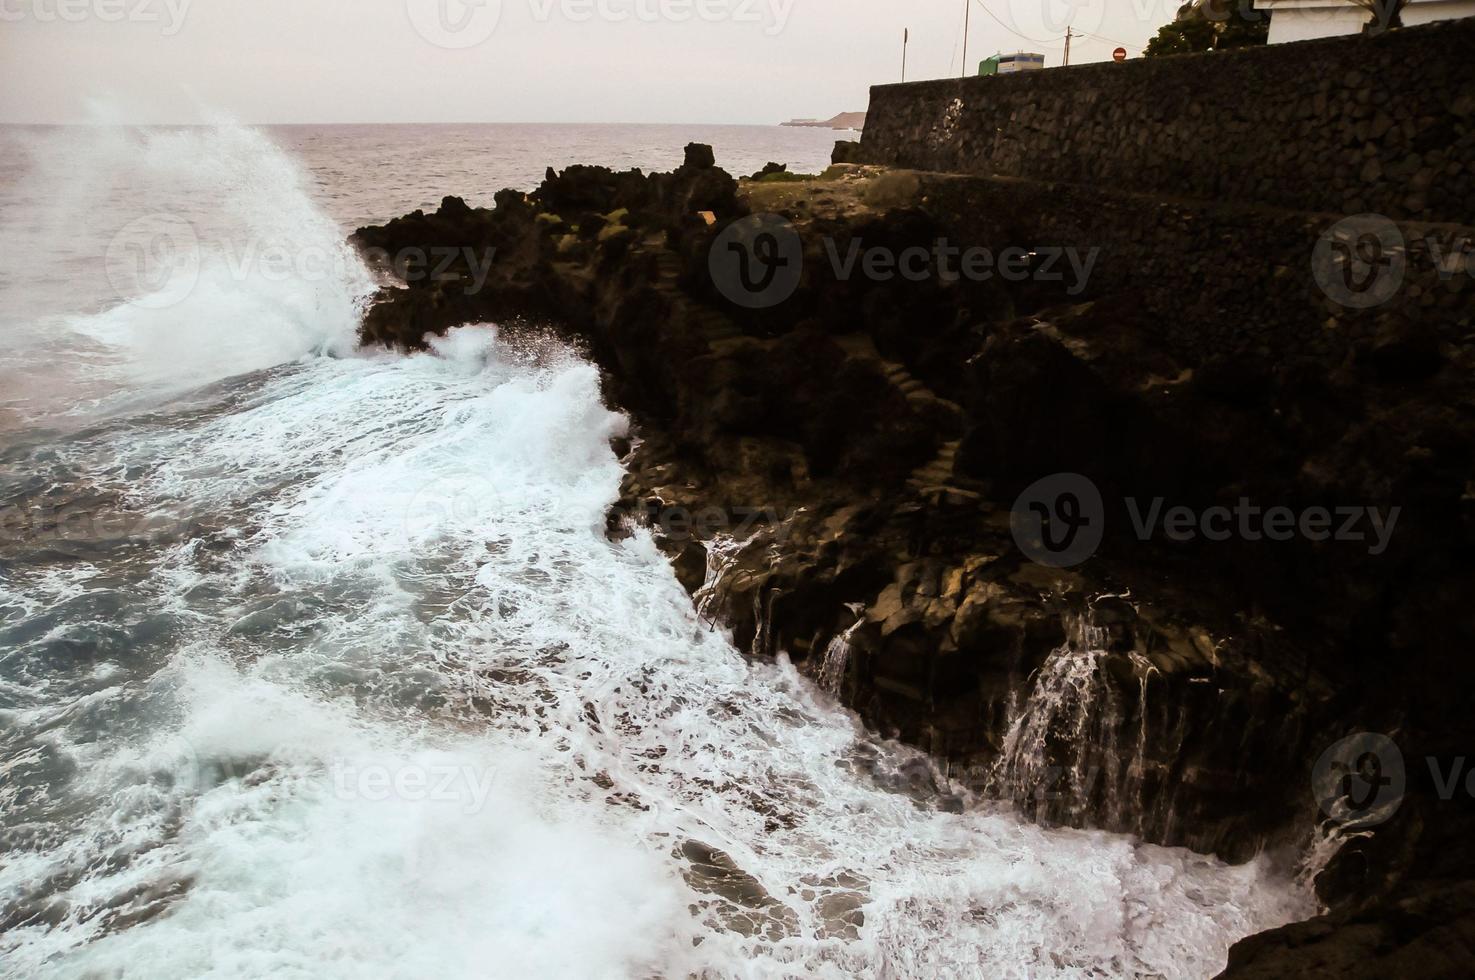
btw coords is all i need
(719, 61)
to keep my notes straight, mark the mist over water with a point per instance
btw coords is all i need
(317, 662)
(147, 262)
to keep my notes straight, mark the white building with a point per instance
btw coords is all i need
(1301, 20)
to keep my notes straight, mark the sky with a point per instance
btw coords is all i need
(677, 61)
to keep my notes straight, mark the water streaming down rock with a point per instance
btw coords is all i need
(1076, 749)
(1326, 841)
(836, 661)
(722, 552)
(733, 596)
(764, 643)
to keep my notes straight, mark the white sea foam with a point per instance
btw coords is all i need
(404, 584)
(145, 262)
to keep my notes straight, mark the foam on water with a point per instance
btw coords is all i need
(414, 714)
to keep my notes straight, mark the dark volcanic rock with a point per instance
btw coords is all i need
(770, 168)
(846, 151)
(699, 156)
(833, 476)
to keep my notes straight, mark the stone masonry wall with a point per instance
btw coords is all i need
(1215, 278)
(1340, 125)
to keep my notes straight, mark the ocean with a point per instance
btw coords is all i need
(317, 662)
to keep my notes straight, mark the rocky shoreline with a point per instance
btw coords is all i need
(835, 476)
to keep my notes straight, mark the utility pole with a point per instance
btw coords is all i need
(967, 10)
(1067, 44)
(906, 35)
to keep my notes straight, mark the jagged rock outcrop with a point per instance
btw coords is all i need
(833, 476)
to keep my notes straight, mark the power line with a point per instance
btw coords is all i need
(956, 38)
(1022, 37)
(1054, 42)
(1108, 40)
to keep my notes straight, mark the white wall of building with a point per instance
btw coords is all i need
(1425, 11)
(1302, 20)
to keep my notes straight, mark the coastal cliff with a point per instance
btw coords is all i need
(843, 120)
(835, 478)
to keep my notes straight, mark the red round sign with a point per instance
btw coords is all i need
(1120, 54)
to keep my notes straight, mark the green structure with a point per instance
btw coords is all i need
(1008, 64)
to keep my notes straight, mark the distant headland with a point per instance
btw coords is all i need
(845, 120)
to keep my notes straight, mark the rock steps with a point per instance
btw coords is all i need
(719, 331)
(911, 387)
(937, 473)
(668, 267)
(713, 326)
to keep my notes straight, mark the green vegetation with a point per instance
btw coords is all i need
(1211, 25)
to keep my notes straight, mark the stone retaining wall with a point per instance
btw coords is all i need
(1340, 125)
(1217, 279)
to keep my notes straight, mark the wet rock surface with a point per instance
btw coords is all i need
(835, 475)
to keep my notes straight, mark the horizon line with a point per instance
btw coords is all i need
(549, 122)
